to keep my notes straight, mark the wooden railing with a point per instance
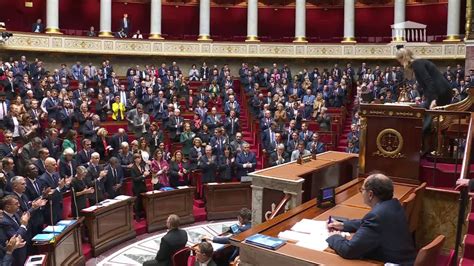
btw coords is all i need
(280, 206)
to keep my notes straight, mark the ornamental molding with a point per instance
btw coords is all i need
(85, 45)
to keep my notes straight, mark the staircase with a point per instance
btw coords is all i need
(342, 141)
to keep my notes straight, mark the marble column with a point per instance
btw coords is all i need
(300, 22)
(454, 13)
(106, 18)
(52, 17)
(349, 21)
(204, 20)
(257, 197)
(252, 21)
(399, 17)
(155, 20)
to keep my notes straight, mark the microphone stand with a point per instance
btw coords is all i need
(51, 217)
(96, 194)
(75, 202)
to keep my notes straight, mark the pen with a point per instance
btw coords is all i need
(330, 219)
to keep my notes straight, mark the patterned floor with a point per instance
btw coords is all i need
(139, 251)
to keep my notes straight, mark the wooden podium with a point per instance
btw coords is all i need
(159, 205)
(109, 225)
(390, 139)
(67, 247)
(224, 200)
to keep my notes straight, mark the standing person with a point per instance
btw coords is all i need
(179, 170)
(174, 240)
(436, 89)
(159, 170)
(81, 191)
(246, 161)
(138, 175)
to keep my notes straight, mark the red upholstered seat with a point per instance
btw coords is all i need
(181, 256)
(67, 213)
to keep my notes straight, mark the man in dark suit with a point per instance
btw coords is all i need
(52, 143)
(8, 148)
(96, 177)
(213, 120)
(246, 161)
(232, 125)
(55, 186)
(91, 127)
(117, 139)
(52, 105)
(315, 146)
(125, 24)
(114, 178)
(175, 125)
(11, 224)
(84, 156)
(374, 236)
(174, 240)
(208, 164)
(38, 27)
(279, 157)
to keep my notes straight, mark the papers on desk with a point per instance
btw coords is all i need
(108, 202)
(308, 233)
(91, 208)
(43, 237)
(54, 229)
(153, 192)
(66, 222)
(213, 183)
(122, 197)
(181, 187)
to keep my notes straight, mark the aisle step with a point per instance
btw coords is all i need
(198, 203)
(199, 214)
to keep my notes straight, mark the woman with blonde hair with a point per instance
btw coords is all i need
(436, 89)
(186, 138)
(102, 146)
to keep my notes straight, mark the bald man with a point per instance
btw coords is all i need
(50, 181)
(382, 234)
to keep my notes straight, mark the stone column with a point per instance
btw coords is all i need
(257, 197)
(155, 20)
(454, 12)
(106, 18)
(52, 17)
(399, 17)
(349, 21)
(252, 21)
(204, 20)
(300, 22)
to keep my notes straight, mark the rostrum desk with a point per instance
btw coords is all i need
(110, 225)
(349, 204)
(159, 205)
(66, 249)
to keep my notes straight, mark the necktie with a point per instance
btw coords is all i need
(15, 218)
(114, 174)
(35, 185)
(71, 169)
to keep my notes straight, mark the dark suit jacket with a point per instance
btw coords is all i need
(53, 146)
(9, 228)
(6, 150)
(273, 160)
(111, 181)
(435, 86)
(241, 160)
(376, 237)
(65, 169)
(209, 169)
(139, 185)
(82, 158)
(45, 180)
(173, 241)
(35, 25)
(91, 179)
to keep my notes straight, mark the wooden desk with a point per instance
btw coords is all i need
(110, 225)
(291, 254)
(67, 249)
(224, 200)
(159, 205)
(302, 182)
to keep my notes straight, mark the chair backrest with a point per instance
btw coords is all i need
(180, 257)
(415, 215)
(428, 254)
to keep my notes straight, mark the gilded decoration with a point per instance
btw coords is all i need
(72, 44)
(389, 144)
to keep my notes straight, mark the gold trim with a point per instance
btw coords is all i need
(53, 31)
(362, 144)
(300, 40)
(349, 40)
(398, 39)
(382, 149)
(107, 34)
(252, 38)
(467, 33)
(452, 38)
(155, 36)
(204, 38)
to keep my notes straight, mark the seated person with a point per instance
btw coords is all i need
(375, 236)
(245, 222)
(204, 252)
(174, 240)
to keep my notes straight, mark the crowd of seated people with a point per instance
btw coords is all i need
(55, 138)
